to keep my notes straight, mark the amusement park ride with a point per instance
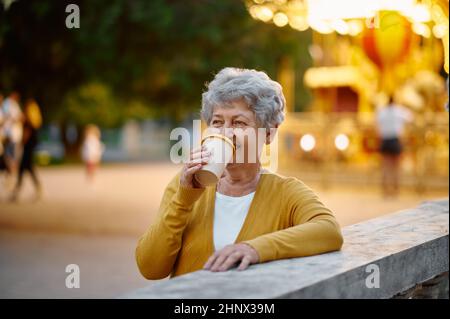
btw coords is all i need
(364, 51)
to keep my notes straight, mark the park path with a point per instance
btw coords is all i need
(125, 198)
(97, 227)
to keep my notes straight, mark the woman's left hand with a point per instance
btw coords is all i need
(227, 257)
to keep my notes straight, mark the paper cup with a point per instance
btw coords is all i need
(222, 150)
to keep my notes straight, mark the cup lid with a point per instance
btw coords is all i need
(223, 137)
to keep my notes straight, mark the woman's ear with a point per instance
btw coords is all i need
(270, 134)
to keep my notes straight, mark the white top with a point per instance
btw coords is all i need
(92, 149)
(11, 109)
(11, 116)
(229, 216)
(391, 120)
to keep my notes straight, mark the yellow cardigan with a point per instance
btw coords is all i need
(286, 219)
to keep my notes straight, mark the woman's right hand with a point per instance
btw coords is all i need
(198, 158)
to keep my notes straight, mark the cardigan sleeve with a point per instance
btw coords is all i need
(158, 248)
(314, 229)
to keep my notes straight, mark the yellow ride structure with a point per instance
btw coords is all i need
(364, 51)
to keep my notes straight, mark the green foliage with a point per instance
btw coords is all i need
(92, 101)
(135, 58)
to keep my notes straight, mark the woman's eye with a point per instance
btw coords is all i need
(240, 123)
(215, 122)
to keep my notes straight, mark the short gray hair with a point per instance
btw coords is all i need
(263, 95)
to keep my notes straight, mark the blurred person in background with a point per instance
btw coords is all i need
(32, 121)
(12, 130)
(390, 123)
(92, 150)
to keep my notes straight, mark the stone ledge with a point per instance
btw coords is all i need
(409, 247)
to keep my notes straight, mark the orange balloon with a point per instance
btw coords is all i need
(388, 39)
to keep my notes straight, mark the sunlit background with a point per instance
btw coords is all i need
(137, 69)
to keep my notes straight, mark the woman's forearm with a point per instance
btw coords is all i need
(158, 248)
(317, 236)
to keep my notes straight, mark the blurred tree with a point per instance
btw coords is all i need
(135, 58)
(91, 101)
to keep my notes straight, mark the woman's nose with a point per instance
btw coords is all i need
(227, 131)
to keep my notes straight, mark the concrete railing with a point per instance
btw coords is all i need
(386, 257)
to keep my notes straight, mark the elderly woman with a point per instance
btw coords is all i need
(251, 215)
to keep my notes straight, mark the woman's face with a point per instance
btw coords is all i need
(238, 122)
